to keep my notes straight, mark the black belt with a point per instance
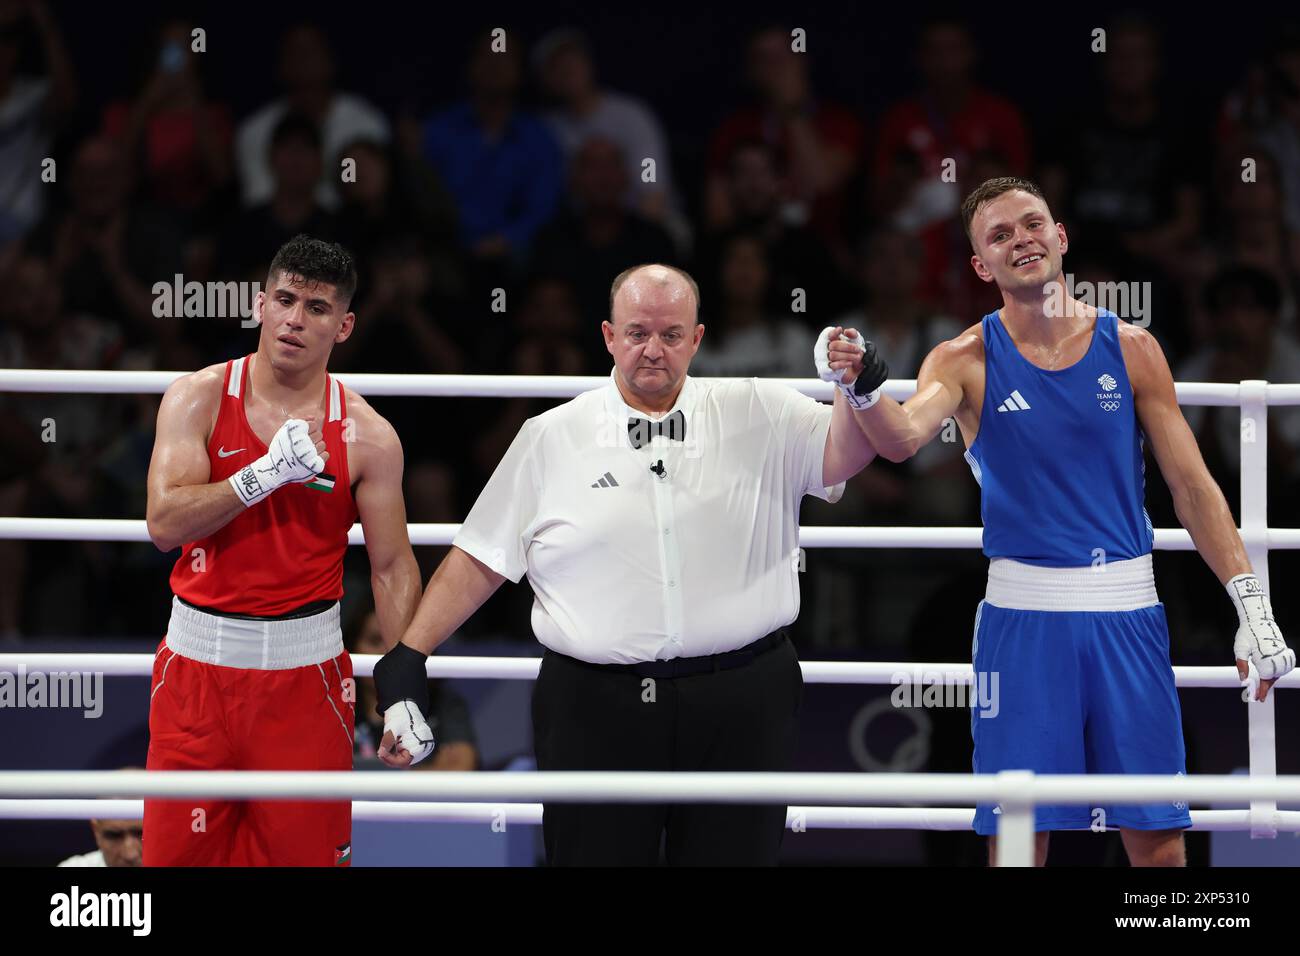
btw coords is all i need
(690, 666)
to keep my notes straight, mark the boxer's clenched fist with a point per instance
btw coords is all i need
(296, 453)
(844, 357)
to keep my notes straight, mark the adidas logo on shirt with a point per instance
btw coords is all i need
(606, 481)
(1015, 403)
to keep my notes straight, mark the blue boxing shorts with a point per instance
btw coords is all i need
(1075, 675)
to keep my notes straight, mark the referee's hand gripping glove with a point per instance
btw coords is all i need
(842, 356)
(296, 453)
(1262, 654)
(402, 687)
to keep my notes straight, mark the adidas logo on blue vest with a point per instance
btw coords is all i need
(1015, 403)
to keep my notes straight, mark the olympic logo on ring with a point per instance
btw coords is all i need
(1110, 406)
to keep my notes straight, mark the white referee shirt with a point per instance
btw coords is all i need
(629, 566)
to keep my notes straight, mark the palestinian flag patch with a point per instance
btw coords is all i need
(343, 855)
(322, 482)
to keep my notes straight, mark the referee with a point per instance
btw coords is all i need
(657, 520)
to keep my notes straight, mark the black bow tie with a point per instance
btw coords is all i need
(641, 430)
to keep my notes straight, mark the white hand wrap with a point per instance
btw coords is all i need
(409, 729)
(291, 457)
(822, 359)
(1258, 639)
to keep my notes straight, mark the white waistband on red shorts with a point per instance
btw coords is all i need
(268, 644)
(1110, 586)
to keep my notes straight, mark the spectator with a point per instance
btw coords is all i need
(755, 204)
(107, 253)
(598, 237)
(743, 335)
(180, 139)
(392, 197)
(448, 717)
(307, 75)
(951, 119)
(1282, 135)
(31, 108)
(499, 162)
(293, 208)
(1129, 165)
(817, 141)
(585, 110)
(396, 330)
(119, 843)
(1248, 343)
(48, 443)
(546, 343)
(1249, 230)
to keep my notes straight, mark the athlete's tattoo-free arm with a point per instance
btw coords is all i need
(899, 431)
(182, 504)
(394, 574)
(1198, 500)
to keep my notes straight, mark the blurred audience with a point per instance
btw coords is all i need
(252, 238)
(32, 107)
(1281, 133)
(108, 252)
(49, 442)
(391, 197)
(597, 237)
(819, 143)
(307, 76)
(949, 128)
(1128, 160)
(497, 159)
(179, 139)
(743, 334)
(1248, 341)
(752, 185)
(584, 110)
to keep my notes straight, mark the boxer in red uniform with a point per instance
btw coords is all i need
(260, 466)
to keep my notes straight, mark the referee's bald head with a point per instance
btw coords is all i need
(653, 281)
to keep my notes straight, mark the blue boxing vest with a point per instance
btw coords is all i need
(1058, 456)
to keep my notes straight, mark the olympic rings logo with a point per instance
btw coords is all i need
(1110, 406)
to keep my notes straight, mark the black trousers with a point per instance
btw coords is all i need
(588, 718)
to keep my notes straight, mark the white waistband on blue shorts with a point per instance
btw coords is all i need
(268, 645)
(1112, 586)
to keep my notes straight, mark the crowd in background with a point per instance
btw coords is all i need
(799, 210)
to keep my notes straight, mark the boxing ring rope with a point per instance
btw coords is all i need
(1019, 790)
(526, 668)
(1016, 792)
(530, 814)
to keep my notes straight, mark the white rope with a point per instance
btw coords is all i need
(513, 386)
(530, 814)
(526, 668)
(821, 789)
(813, 536)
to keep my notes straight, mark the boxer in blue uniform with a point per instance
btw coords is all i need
(1054, 399)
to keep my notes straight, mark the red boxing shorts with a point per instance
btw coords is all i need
(246, 694)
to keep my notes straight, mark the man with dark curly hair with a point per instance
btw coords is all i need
(260, 467)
